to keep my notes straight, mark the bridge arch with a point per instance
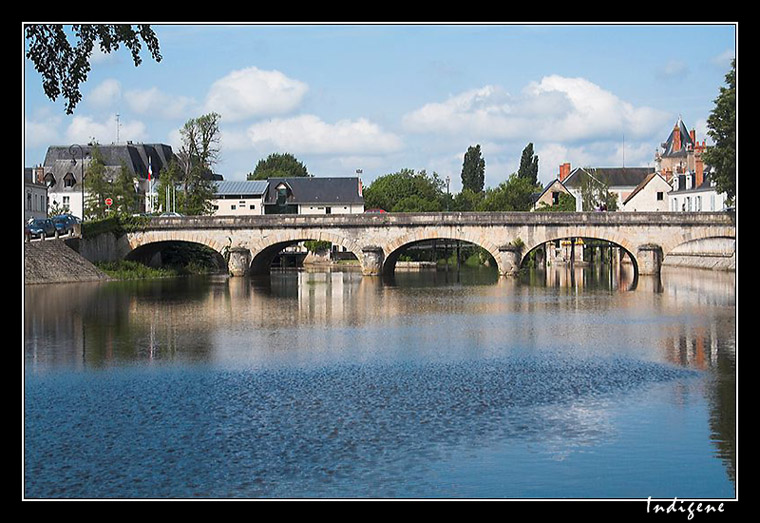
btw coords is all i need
(393, 251)
(625, 246)
(266, 249)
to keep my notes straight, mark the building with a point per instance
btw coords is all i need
(681, 153)
(549, 197)
(239, 198)
(620, 181)
(65, 166)
(681, 165)
(313, 195)
(35, 194)
(686, 196)
(650, 195)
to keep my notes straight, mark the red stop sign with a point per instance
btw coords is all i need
(109, 201)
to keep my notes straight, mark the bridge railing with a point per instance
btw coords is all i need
(447, 218)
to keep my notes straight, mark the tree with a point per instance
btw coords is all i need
(473, 170)
(467, 200)
(515, 194)
(528, 165)
(418, 191)
(566, 203)
(124, 193)
(595, 193)
(278, 165)
(196, 157)
(64, 67)
(722, 129)
(97, 186)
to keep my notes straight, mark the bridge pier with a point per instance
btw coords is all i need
(649, 259)
(239, 262)
(509, 260)
(372, 260)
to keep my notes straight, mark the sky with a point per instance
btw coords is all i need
(379, 98)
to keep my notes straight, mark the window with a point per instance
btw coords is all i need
(252, 207)
(69, 180)
(660, 196)
(555, 198)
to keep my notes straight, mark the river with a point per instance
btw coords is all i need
(328, 384)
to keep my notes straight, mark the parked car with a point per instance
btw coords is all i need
(170, 215)
(40, 228)
(64, 223)
(375, 210)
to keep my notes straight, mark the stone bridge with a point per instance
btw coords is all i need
(377, 240)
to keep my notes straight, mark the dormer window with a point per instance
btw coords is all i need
(49, 180)
(69, 180)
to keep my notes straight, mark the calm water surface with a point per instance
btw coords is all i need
(331, 385)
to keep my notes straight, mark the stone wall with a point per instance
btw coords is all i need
(52, 261)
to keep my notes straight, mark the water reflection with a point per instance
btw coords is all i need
(330, 383)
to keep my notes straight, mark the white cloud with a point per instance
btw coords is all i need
(84, 129)
(105, 93)
(155, 102)
(309, 134)
(555, 109)
(252, 92)
(41, 129)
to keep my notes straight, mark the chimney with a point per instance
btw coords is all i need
(699, 167)
(39, 174)
(693, 136)
(676, 139)
(564, 171)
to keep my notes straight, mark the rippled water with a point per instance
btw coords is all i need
(330, 385)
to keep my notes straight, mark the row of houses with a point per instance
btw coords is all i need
(57, 184)
(679, 181)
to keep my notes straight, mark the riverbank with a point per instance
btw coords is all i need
(52, 261)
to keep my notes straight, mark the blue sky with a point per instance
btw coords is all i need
(383, 97)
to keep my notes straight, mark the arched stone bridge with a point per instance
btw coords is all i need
(377, 240)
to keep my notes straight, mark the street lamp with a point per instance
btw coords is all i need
(72, 150)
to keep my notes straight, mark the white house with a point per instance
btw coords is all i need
(239, 198)
(35, 194)
(686, 196)
(650, 195)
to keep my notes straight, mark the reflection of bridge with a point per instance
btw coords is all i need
(377, 240)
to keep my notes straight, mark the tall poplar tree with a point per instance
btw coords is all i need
(473, 170)
(528, 165)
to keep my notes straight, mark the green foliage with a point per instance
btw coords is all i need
(722, 129)
(467, 200)
(515, 194)
(528, 165)
(317, 245)
(405, 190)
(97, 186)
(130, 270)
(566, 203)
(64, 67)
(278, 165)
(473, 170)
(198, 154)
(595, 193)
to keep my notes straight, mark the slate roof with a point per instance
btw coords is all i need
(611, 176)
(316, 190)
(58, 160)
(668, 146)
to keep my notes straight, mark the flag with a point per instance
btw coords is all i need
(150, 169)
